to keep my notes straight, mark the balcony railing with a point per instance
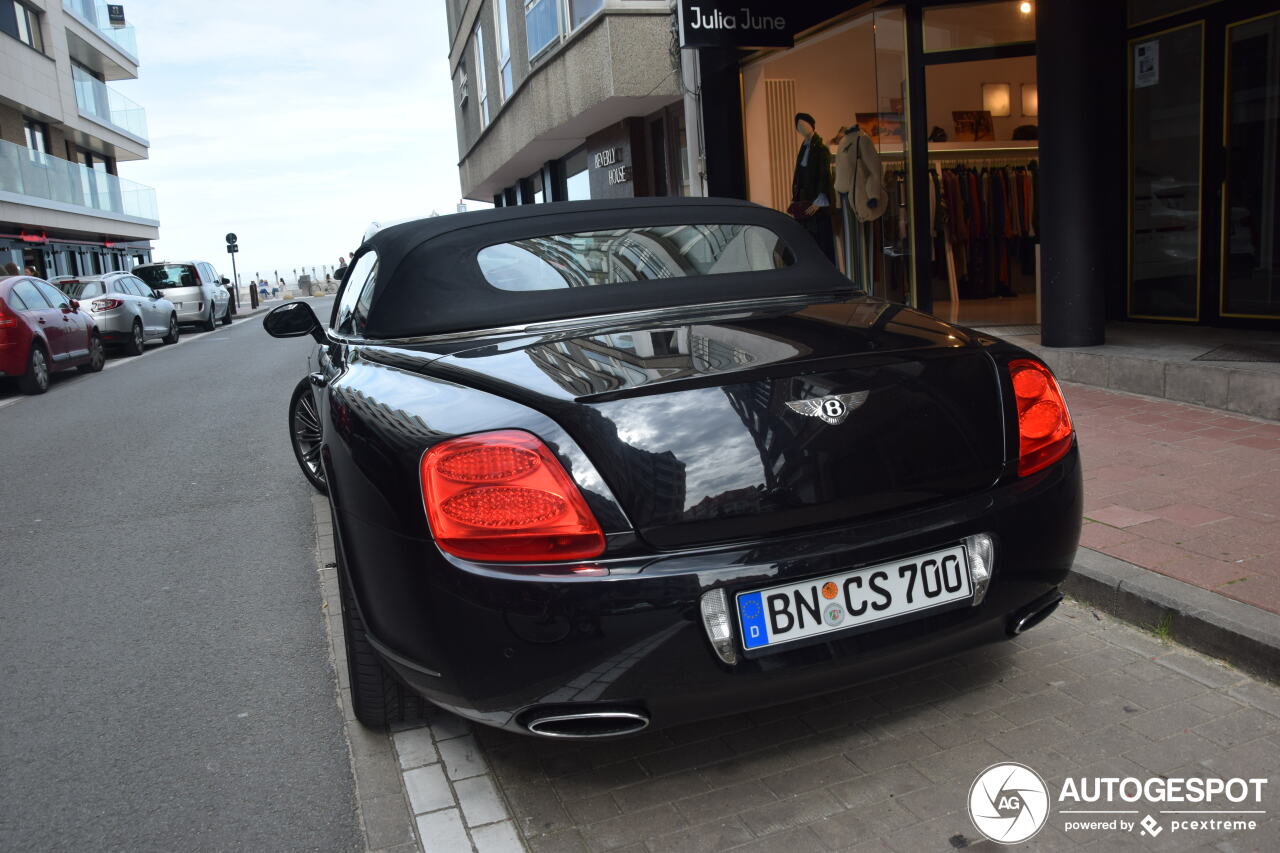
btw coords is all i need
(30, 173)
(99, 101)
(95, 14)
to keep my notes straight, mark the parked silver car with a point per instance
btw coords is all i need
(127, 311)
(194, 288)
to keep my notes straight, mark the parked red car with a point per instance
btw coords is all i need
(43, 330)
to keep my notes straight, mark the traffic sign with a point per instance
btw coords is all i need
(232, 248)
(231, 239)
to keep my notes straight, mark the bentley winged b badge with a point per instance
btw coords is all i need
(833, 408)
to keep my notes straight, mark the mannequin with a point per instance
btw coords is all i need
(860, 183)
(811, 191)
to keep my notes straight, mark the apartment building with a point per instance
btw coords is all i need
(64, 129)
(567, 99)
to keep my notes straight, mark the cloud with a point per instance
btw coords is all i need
(294, 124)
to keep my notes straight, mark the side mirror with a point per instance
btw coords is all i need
(155, 294)
(293, 320)
(226, 280)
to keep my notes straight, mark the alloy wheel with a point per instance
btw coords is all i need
(307, 435)
(39, 368)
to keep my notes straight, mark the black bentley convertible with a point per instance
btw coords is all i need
(596, 466)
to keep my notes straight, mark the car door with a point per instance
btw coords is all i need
(216, 289)
(44, 317)
(140, 300)
(74, 341)
(154, 318)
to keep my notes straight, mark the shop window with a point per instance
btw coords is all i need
(578, 177)
(974, 25)
(27, 26)
(504, 49)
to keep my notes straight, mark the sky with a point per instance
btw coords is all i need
(292, 124)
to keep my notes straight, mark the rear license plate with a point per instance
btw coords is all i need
(784, 614)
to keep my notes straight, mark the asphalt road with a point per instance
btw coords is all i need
(166, 684)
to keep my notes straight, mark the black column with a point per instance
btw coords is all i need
(553, 181)
(1080, 48)
(918, 161)
(726, 160)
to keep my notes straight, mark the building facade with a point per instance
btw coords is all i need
(567, 99)
(1060, 163)
(64, 129)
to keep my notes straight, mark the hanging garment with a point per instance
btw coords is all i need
(860, 174)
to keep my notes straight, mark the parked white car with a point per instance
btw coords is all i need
(127, 311)
(195, 289)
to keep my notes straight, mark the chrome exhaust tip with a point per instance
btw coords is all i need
(1035, 614)
(604, 722)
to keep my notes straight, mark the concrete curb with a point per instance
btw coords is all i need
(1243, 635)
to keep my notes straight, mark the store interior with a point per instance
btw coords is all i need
(981, 115)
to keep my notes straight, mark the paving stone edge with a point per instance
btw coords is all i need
(1241, 634)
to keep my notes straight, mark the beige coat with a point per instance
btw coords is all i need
(860, 174)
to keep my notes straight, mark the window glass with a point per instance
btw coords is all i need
(140, 286)
(164, 276)
(588, 258)
(28, 26)
(979, 25)
(15, 300)
(541, 24)
(353, 305)
(580, 10)
(53, 296)
(482, 85)
(504, 48)
(82, 289)
(124, 284)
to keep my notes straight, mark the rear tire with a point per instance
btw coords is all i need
(36, 379)
(97, 357)
(172, 337)
(137, 341)
(377, 696)
(210, 324)
(226, 318)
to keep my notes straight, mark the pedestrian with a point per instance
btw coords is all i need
(275, 291)
(341, 271)
(30, 271)
(11, 269)
(262, 289)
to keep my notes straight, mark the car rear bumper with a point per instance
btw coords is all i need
(497, 647)
(114, 326)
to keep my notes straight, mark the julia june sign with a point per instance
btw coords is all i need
(734, 23)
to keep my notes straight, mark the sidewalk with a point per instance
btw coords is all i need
(1188, 492)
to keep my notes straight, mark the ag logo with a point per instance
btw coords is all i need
(1009, 803)
(833, 408)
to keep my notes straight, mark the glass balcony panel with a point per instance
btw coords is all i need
(99, 101)
(30, 173)
(95, 14)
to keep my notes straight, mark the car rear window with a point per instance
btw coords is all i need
(163, 276)
(624, 255)
(81, 289)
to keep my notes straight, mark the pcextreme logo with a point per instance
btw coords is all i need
(1009, 803)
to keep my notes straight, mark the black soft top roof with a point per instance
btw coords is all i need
(429, 281)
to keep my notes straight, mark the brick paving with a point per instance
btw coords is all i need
(1185, 491)
(888, 765)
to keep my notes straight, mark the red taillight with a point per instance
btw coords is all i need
(105, 304)
(7, 317)
(1044, 424)
(503, 496)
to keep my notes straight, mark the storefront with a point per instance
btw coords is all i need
(639, 156)
(51, 255)
(1020, 143)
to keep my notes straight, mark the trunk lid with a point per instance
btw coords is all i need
(714, 431)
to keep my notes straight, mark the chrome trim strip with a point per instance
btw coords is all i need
(633, 716)
(578, 323)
